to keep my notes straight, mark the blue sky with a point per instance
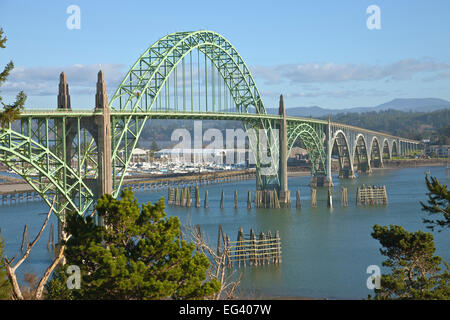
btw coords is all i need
(314, 52)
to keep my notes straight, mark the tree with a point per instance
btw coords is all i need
(438, 204)
(154, 148)
(5, 288)
(33, 291)
(415, 269)
(10, 112)
(136, 254)
(218, 269)
(56, 288)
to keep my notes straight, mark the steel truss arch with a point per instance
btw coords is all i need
(46, 172)
(143, 83)
(313, 138)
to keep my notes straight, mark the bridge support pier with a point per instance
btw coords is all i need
(284, 194)
(63, 103)
(105, 176)
(346, 174)
(103, 122)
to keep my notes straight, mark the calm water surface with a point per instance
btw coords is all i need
(325, 253)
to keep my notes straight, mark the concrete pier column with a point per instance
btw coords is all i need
(284, 193)
(328, 181)
(103, 122)
(63, 93)
(63, 102)
(105, 183)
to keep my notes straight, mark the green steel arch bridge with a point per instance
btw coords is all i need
(77, 155)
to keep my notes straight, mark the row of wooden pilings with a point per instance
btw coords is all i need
(248, 249)
(158, 185)
(19, 196)
(371, 195)
(269, 199)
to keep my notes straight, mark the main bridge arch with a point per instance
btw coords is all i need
(143, 85)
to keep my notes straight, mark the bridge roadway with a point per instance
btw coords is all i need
(176, 115)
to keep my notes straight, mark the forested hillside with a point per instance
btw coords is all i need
(414, 125)
(433, 125)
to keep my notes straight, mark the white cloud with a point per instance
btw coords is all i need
(331, 73)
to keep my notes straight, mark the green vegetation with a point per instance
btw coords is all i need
(413, 125)
(415, 269)
(5, 287)
(10, 112)
(438, 204)
(137, 254)
(56, 288)
(154, 148)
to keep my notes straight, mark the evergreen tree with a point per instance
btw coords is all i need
(10, 112)
(137, 254)
(5, 287)
(438, 204)
(56, 288)
(154, 148)
(415, 269)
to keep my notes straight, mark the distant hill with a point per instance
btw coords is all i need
(412, 104)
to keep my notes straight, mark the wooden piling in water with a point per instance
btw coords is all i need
(206, 203)
(183, 197)
(197, 197)
(235, 199)
(177, 197)
(314, 197)
(219, 236)
(264, 253)
(253, 254)
(249, 200)
(330, 198)
(25, 242)
(240, 242)
(344, 197)
(189, 197)
(298, 202)
(278, 247)
(222, 200)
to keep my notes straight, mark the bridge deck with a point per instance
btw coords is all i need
(198, 115)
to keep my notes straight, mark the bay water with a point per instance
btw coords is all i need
(325, 252)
